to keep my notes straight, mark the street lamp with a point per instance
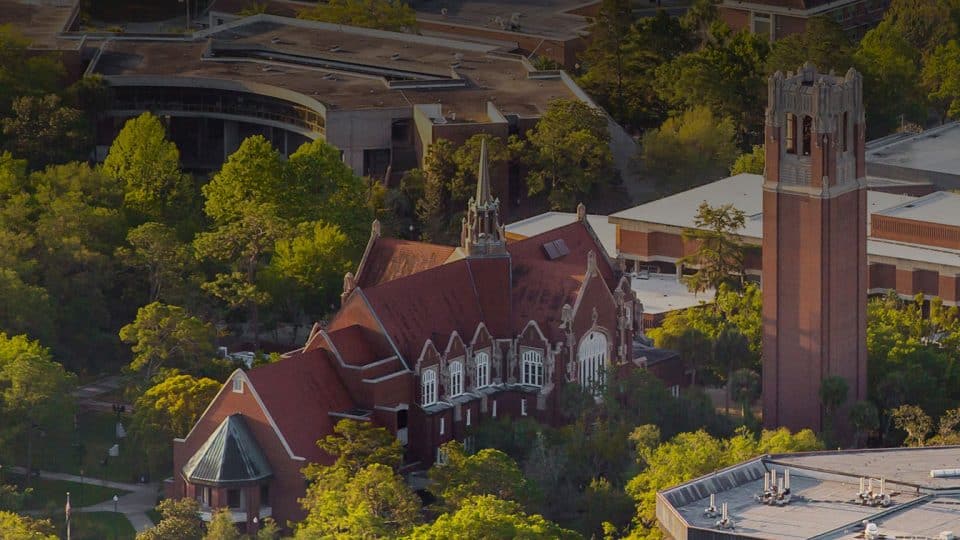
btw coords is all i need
(114, 524)
(81, 484)
(115, 500)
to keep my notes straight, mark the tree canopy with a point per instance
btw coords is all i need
(690, 149)
(393, 15)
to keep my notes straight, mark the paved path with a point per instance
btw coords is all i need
(133, 505)
(87, 394)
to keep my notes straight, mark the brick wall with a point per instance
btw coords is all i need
(919, 232)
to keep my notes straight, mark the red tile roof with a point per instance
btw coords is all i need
(391, 258)
(432, 303)
(359, 346)
(299, 392)
(542, 286)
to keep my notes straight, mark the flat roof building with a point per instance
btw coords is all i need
(926, 158)
(887, 493)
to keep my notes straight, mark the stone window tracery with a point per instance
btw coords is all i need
(456, 378)
(482, 363)
(531, 367)
(428, 387)
(592, 357)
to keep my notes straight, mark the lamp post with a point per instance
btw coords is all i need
(114, 524)
(81, 485)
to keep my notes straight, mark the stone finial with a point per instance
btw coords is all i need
(581, 212)
(566, 316)
(591, 262)
(349, 282)
(375, 228)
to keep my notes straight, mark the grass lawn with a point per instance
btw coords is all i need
(52, 493)
(87, 449)
(95, 526)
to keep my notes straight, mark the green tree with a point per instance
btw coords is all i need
(24, 73)
(394, 15)
(34, 393)
(221, 526)
(745, 389)
(608, 56)
(691, 149)
(719, 255)
(487, 472)
(864, 418)
(891, 92)
(823, 43)
(244, 244)
(925, 25)
(355, 445)
(315, 259)
(372, 502)
(253, 174)
(25, 308)
(268, 530)
(319, 186)
(165, 336)
(833, 394)
(916, 423)
(180, 520)
(168, 410)
(751, 162)
(568, 153)
(155, 249)
(941, 79)
(730, 350)
(434, 206)
(46, 131)
(463, 185)
(695, 348)
(727, 75)
(487, 517)
(17, 527)
(947, 429)
(148, 165)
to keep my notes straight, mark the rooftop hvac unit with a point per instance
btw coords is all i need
(944, 473)
(871, 531)
(946, 535)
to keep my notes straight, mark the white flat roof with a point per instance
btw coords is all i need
(939, 207)
(663, 292)
(932, 150)
(743, 191)
(547, 221)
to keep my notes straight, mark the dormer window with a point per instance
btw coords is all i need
(428, 387)
(531, 367)
(456, 378)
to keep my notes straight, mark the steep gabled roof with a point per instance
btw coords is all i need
(229, 456)
(389, 258)
(433, 302)
(359, 346)
(541, 286)
(299, 392)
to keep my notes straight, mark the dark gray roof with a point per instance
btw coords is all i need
(229, 456)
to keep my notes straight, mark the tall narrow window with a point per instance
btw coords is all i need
(456, 378)
(845, 128)
(791, 133)
(468, 417)
(807, 133)
(523, 407)
(482, 361)
(443, 426)
(532, 368)
(494, 412)
(592, 356)
(428, 387)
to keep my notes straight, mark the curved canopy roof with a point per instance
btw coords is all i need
(229, 456)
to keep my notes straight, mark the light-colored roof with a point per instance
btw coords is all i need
(661, 293)
(823, 488)
(932, 150)
(939, 207)
(913, 252)
(547, 221)
(744, 191)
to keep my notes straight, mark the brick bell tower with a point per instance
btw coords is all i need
(814, 246)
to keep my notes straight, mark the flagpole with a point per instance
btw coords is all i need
(66, 511)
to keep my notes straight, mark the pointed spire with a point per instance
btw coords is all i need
(483, 176)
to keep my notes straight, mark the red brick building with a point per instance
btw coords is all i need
(778, 19)
(814, 244)
(428, 341)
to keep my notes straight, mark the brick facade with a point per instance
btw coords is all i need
(814, 246)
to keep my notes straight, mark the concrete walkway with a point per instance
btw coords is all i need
(134, 505)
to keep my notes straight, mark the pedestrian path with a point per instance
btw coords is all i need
(134, 504)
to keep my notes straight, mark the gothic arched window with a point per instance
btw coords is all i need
(456, 378)
(531, 367)
(482, 362)
(428, 387)
(807, 133)
(592, 357)
(791, 133)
